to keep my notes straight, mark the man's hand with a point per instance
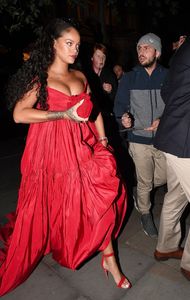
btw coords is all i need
(153, 126)
(126, 120)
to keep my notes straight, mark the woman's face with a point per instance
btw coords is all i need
(67, 46)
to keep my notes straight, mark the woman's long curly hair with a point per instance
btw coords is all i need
(34, 71)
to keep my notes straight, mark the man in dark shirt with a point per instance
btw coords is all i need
(103, 84)
(138, 107)
(118, 70)
(173, 138)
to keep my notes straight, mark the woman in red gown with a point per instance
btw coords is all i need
(71, 202)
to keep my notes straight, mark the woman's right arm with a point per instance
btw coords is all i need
(24, 111)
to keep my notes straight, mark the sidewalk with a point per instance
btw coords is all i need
(49, 281)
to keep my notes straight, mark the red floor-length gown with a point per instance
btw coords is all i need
(71, 201)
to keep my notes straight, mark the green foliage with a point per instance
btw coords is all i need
(16, 14)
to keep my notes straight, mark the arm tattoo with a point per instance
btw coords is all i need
(71, 113)
(56, 115)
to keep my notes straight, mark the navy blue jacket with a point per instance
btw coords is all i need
(173, 134)
(139, 94)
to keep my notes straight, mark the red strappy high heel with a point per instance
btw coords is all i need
(123, 278)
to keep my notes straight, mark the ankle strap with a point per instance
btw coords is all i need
(108, 255)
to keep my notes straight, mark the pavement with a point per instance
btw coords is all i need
(49, 281)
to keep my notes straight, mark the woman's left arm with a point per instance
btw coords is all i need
(101, 131)
(99, 123)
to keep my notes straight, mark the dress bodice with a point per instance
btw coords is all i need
(59, 101)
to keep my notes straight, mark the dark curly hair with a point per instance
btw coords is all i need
(34, 71)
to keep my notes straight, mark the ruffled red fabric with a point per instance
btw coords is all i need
(71, 201)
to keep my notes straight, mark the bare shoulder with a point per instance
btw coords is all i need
(80, 81)
(79, 75)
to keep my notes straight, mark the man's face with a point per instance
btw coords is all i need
(118, 71)
(98, 59)
(147, 55)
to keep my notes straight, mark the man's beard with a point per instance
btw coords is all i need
(150, 63)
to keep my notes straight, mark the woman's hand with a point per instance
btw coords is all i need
(103, 140)
(104, 143)
(72, 113)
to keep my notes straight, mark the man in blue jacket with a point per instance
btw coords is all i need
(173, 137)
(139, 106)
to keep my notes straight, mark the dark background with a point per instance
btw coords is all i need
(118, 24)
